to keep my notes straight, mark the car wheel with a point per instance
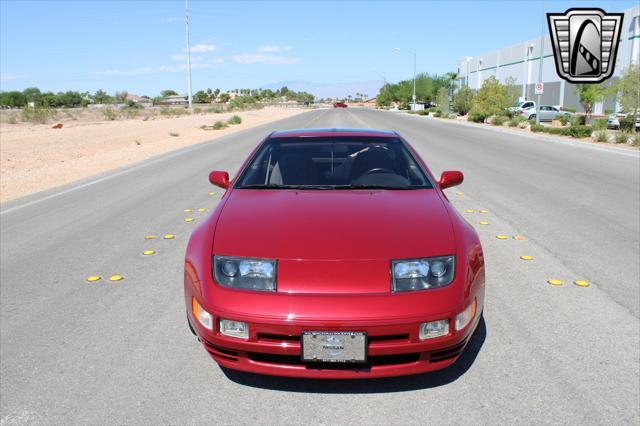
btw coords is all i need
(532, 117)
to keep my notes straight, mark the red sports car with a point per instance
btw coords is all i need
(334, 254)
(339, 105)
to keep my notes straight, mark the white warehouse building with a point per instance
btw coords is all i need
(521, 63)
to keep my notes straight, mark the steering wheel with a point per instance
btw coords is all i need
(379, 170)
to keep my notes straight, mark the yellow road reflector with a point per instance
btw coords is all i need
(212, 193)
(150, 237)
(581, 283)
(93, 278)
(484, 223)
(526, 257)
(554, 281)
(116, 278)
(484, 211)
(148, 252)
(518, 237)
(470, 210)
(188, 219)
(202, 210)
(459, 193)
(187, 210)
(501, 237)
(169, 237)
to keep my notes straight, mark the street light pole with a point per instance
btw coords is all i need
(397, 49)
(186, 21)
(539, 98)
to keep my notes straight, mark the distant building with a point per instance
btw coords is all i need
(521, 62)
(175, 100)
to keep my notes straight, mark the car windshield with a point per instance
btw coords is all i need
(333, 163)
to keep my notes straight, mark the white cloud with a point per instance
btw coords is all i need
(272, 48)
(264, 58)
(11, 77)
(203, 48)
(150, 70)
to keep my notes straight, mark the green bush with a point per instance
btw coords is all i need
(636, 139)
(578, 120)
(236, 119)
(578, 131)
(452, 116)
(423, 112)
(437, 114)
(556, 130)
(132, 104)
(622, 137)
(569, 109)
(537, 128)
(599, 124)
(564, 119)
(477, 116)
(602, 136)
(515, 121)
(608, 111)
(627, 124)
(219, 125)
(498, 120)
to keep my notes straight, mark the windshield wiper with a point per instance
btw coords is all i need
(280, 186)
(369, 186)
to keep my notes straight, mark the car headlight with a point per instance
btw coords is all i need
(422, 274)
(245, 273)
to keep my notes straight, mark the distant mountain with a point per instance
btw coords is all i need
(330, 90)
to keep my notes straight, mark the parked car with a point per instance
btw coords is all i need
(339, 105)
(334, 254)
(522, 105)
(547, 113)
(613, 122)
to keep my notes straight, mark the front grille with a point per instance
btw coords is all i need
(372, 361)
(391, 338)
(451, 352)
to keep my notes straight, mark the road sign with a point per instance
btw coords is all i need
(539, 88)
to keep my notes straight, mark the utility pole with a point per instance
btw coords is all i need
(539, 99)
(186, 21)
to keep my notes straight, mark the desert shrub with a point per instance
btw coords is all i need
(463, 101)
(477, 116)
(37, 115)
(236, 119)
(214, 110)
(12, 118)
(437, 114)
(197, 110)
(627, 124)
(556, 130)
(453, 116)
(498, 120)
(601, 136)
(578, 120)
(569, 109)
(515, 121)
(523, 125)
(578, 131)
(219, 125)
(173, 111)
(599, 124)
(537, 128)
(564, 119)
(622, 137)
(175, 135)
(132, 104)
(636, 139)
(422, 112)
(110, 113)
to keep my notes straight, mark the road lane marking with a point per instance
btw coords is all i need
(116, 278)
(187, 210)
(526, 257)
(188, 219)
(149, 252)
(94, 278)
(581, 283)
(518, 237)
(484, 222)
(501, 237)
(555, 282)
(169, 237)
(150, 237)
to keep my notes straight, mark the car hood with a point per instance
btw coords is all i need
(334, 241)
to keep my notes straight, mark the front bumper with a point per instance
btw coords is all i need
(394, 349)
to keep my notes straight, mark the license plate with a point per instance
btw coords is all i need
(334, 346)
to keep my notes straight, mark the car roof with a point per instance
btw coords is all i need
(332, 132)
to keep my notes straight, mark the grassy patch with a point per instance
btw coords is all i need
(601, 136)
(236, 119)
(622, 137)
(218, 125)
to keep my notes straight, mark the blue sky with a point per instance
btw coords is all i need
(139, 46)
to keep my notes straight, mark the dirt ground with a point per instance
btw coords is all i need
(36, 157)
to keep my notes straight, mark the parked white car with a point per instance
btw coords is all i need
(547, 112)
(613, 122)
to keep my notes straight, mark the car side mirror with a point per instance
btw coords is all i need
(450, 178)
(220, 179)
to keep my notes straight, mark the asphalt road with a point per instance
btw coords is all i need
(73, 352)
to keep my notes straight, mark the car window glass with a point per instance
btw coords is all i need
(334, 162)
